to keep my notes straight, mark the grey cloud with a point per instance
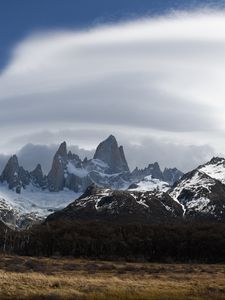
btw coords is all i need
(98, 104)
(167, 154)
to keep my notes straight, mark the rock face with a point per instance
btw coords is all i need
(109, 152)
(67, 171)
(120, 206)
(56, 178)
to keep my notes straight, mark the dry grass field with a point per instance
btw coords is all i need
(42, 278)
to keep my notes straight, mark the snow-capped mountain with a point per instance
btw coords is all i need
(31, 196)
(202, 191)
(215, 168)
(108, 168)
(199, 194)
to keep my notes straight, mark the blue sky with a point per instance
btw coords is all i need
(79, 70)
(19, 18)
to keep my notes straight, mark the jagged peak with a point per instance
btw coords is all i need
(213, 161)
(111, 138)
(216, 159)
(167, 169)
(62, 150)
(14, 159)
(110, 153)
(154, 165)
(38, 168)
(12, 163)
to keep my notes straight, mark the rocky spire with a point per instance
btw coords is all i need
(14, 175)
(155, 171)
(37, 176)
(109, 152)
(11, 170)
(56, 178)
(62, 151)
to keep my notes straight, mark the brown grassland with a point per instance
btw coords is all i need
(65, 279)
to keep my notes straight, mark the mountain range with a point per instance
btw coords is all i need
(108, 168)
(104, 188)
(198, 195)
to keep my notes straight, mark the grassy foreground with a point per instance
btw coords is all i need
(42, 278)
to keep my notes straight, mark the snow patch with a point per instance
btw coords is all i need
(216, 171)
(198, 204)
(151, 184)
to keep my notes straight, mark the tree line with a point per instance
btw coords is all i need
(177, 242)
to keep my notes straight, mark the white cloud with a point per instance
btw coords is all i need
(161, 77)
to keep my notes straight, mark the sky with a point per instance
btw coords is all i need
(150, 72)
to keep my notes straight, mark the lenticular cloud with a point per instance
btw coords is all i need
(163, 76)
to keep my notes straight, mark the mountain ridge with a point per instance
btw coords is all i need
(107, 168)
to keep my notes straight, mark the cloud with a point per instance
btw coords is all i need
(153, 78)
(167, 154)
